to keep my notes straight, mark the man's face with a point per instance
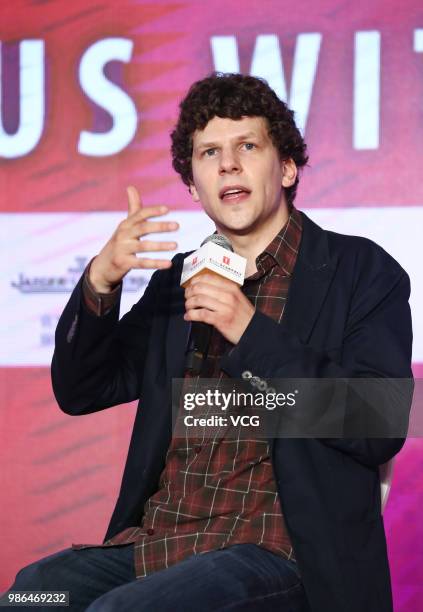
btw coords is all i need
(238, 176)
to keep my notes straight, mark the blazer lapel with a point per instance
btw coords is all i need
(311, 279)
(178, 329)
(312, 276)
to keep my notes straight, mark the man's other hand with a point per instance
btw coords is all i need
(118, 256)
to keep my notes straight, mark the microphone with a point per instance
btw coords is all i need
(216, 256)
(220, 240)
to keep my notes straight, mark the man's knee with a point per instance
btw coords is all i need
(45, 574)
(102, 604)
(29, 578)
(115, 600)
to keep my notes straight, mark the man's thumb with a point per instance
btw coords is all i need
(134, 200)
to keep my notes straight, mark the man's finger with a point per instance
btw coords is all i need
(134, 200)
(199, 290)
(152, 227)
(214, 279)
(200, 314)
(146, 263)
(148, 246)
(147, 212)
(205, 301)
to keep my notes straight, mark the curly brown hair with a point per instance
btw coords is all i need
(234, 96)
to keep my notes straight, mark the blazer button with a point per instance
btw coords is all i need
(150, 531)
(197, 449)
(72, 330)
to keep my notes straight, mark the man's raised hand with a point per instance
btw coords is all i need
(118, 256)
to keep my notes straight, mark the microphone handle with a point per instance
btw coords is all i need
(198, 346)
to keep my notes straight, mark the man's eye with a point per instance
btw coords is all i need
(209, 152)
(249, 146)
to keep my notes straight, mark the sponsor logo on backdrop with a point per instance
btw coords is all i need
(59, 284)
(48, 324)
(66, 282)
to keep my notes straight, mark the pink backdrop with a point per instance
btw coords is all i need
(60, 475)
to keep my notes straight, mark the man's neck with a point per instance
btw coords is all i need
(251, 245)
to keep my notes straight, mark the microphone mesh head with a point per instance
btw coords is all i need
(220, 240)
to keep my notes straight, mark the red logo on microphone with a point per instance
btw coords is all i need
(226, 260)
(194, 261)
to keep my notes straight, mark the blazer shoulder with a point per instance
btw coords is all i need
(365, 253)
(167, 279)
(168, 274)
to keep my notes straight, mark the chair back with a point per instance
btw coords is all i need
(385, 473)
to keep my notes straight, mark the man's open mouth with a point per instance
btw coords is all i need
(235, 192)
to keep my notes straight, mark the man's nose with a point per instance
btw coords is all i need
(229, 162)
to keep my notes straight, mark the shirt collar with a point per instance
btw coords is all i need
(283, 249)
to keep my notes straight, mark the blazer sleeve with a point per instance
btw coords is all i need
(98, 361)
(376, 344)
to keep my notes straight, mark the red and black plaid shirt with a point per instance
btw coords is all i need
(217, 492)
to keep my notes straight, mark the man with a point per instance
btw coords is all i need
(284, 524)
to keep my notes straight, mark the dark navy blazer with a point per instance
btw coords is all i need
(347, 315)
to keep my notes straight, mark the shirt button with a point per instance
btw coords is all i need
(150, 531)
(197, 449)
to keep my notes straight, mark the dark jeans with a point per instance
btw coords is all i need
(242, 577)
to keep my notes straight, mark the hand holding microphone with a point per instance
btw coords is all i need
(211, 297)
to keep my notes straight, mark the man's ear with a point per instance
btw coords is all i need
(194, 192)
(289, 172)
